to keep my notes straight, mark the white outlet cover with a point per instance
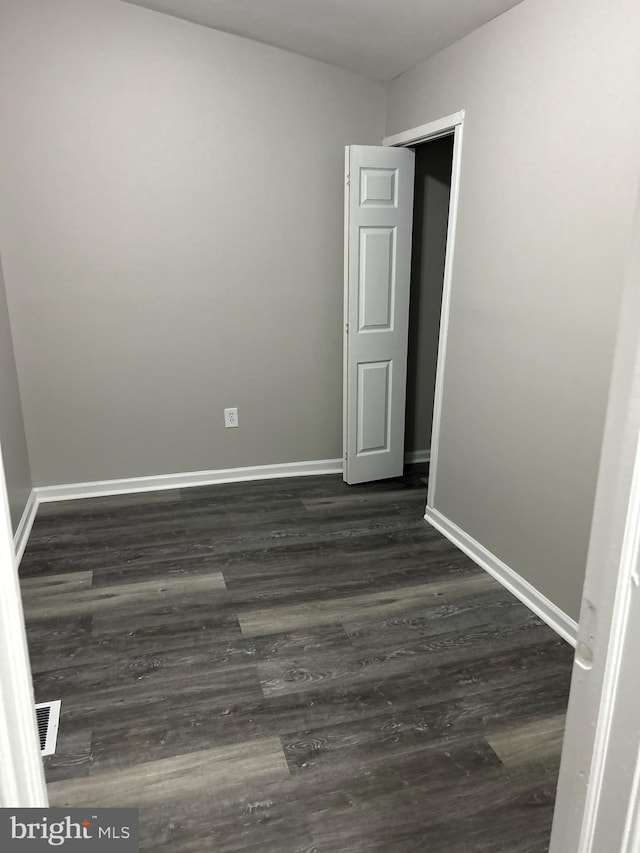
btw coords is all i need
(231, 417)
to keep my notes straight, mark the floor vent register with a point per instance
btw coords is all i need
(48, 717)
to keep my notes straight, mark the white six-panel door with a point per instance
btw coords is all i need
(378, 225)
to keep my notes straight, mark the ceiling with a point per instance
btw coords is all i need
(377, 38)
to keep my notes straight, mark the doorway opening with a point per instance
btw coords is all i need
(431, 202)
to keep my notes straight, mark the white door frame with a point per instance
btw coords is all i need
(22, 780)
(599, 786)
(452, 124)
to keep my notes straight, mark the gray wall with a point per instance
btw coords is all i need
(549, 179)
(171, 224)
(431, 210)
(12, 438)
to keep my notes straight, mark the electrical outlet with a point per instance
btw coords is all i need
(231, 418)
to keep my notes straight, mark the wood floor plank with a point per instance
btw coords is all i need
(322, 577)
(90, 600)
(33, 588)
(213, 770)
(536, 741)
(436, 813)
(279, 676)
(378, 605)
(149, 687)
(348, 501)
(72, 758)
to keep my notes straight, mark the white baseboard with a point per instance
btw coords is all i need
(21, 536)
(557, 619)
(417, 456)
(100, 488)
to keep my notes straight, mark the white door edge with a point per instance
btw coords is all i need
(599, 772)
(22, 781)
(345, 317)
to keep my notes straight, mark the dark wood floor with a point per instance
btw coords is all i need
(288, 666)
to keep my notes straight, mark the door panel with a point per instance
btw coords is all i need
(374, 383)
(379, 215)
(375, 291)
